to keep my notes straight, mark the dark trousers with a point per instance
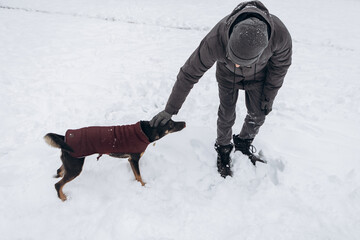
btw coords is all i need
(254, 119)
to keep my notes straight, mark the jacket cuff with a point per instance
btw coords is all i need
(171, 110)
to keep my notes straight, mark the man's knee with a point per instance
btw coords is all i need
(255, 118)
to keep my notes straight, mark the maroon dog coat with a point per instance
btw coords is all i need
(106, 140)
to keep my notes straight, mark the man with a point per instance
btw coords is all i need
(252, 50)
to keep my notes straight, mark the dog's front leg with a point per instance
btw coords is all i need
(134, 163)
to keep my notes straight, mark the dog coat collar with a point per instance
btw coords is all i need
(106, 140)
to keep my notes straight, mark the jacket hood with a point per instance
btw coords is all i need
(249, 9)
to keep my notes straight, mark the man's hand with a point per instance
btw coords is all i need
(161, 118)
(266, 106)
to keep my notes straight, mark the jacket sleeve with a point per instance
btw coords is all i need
(194, 68)
(277, 66)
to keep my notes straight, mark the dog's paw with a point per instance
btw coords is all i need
(63, 197)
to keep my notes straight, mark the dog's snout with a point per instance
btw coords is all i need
(181, 125)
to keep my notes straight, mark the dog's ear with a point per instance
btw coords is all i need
(171, 124)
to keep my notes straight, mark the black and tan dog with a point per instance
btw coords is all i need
(127, 141)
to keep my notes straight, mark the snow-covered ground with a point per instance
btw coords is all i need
(70, 64)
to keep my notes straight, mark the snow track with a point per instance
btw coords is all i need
(99, 17)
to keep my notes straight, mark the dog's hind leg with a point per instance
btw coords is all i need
(134, 163)
(60, 172)
(72, 169)
(59, 187)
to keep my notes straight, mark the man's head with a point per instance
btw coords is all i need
(247, 41)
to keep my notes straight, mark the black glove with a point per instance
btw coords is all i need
(266, 106)
(161, 118)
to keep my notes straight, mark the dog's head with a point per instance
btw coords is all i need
(155, 133)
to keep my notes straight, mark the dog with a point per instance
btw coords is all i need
(126, 141)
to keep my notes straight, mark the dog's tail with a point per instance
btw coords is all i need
(57, 141)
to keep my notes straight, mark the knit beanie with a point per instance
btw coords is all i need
(247, 42)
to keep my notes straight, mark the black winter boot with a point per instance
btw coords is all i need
(224, 160)
(244, 145)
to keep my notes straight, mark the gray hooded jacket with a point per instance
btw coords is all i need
(268, 72)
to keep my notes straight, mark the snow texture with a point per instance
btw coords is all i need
(70, 64)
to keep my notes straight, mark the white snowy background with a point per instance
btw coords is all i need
(76, 63)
